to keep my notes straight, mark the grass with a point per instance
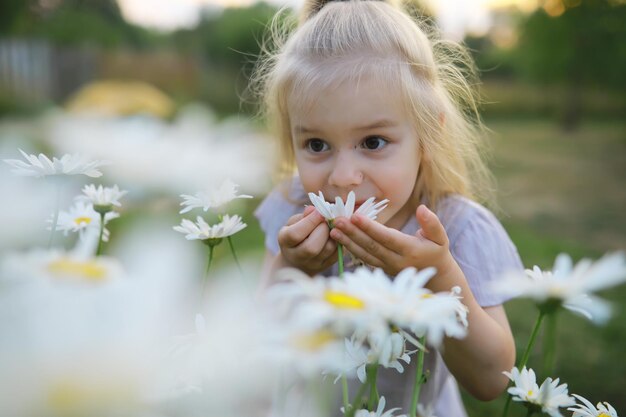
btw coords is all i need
(563, 192)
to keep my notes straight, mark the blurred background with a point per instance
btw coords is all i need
(553, 78)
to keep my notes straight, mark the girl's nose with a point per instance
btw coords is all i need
(345, 172)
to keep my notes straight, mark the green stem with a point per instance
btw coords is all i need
(549, 347)
(419, 378)
(55, 219)
(232, 249)
(99, 250)
(344, 389)
(372, 373)
(525, 357)
(357, 402)
(531, 342)
(530, 412)
(340, 258)
(208, 265)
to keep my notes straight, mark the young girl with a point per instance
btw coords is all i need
(362, 100)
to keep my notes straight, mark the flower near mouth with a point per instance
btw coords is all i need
(42, 166)
(331, 211)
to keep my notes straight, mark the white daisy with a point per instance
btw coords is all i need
(366, 302)
(586, 409)
(331, 211)
(82, 217)
(201, 230)
(569, 285)
(380, 411)
(385, 350)
(548, 397)
(212, 198)
(102, 196)
(41, 166)
(58, 266)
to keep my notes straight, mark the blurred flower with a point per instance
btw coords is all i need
(104, 197)
(217, 370)
(41, 166)
(121, 98)
(213, 198)
(569, 285)
(60, 266)
(82, 217)
(549, 397)
(379, 411)
(192, 147)
(367, 302)
(331, 211)
(586, 409)
(202, 231)
(385, 350)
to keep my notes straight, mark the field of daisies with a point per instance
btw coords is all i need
(126, 289)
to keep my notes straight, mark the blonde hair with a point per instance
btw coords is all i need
(341, 40)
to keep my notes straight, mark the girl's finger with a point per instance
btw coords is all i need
(292, 235)
(392, 239)
(314, 244)
(431, 227)
(370, 255)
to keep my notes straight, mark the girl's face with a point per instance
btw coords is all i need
(357, 137)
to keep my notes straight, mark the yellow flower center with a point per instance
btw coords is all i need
(530, 393)
(89, 270)
(603, 415)
(81, 220)
(343, 300)
(314, 341)
(426, 296)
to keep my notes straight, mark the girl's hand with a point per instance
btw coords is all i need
(392, 250)
(305, 242)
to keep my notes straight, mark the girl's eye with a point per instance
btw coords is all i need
(373, 143)
(316, 145)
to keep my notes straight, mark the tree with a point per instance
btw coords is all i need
(583, 46)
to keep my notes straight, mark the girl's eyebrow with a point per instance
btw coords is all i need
(376, 125)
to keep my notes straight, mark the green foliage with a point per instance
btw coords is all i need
(586, 44)
(231, 38)
(69, 22)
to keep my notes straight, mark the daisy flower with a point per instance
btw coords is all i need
(548, 397)
(42, 166)
(569, 285)
(380, 411)
(586, 409)
(385, 349)
(81, 218)
(212, 198)
(201, 230)
(56, 266)
(102, 197)
(331, 211)
(365, 302)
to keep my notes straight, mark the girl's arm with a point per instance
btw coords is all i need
(478, 360)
